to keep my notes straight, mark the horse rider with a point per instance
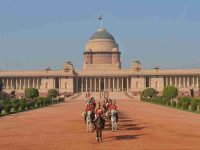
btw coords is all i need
(109, 105)
(99, 113)
(114, 107)
(88, 108)
(93, 103)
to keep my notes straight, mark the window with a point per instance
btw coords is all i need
(147, 82)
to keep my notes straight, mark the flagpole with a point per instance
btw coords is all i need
(101, 22)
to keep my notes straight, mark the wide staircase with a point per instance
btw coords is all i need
(101, 95)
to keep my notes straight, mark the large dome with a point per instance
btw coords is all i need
(101, 41)
(102, 34)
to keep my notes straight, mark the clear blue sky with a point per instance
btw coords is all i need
(39, 33)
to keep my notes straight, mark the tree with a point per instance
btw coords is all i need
(31, 93)
(52, 93)
(170, 92)
(149, 93)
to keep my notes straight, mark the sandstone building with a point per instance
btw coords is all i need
(101, 75)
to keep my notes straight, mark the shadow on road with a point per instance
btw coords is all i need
(124, 137)
(128, 137)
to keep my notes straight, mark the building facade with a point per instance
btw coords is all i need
(101, 75)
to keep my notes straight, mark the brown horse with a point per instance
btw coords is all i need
(99, 123)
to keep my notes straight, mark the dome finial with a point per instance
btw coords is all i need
(101, 22)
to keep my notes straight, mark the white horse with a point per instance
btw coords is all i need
(89, 121)
(114, 119)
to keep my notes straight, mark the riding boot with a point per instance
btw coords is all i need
(85, 119)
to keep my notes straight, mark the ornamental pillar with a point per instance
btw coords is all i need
(113, 84)
(81, 84)
(109, 84)
(122, 84)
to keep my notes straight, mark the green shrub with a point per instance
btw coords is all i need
(28, 105)
(173, 103)
(185, 105)
(32, 103)
(50, 100)
(179, 104)
(23, 106)
(1, 108)
(41, 99)
(149, 93)
(38, 103)
(44, 102)
(194, 104)
(52, 93)
(55, 101)
(186, 99)
(41, 102)
(62, 99)
(7, 108)
(31, 93)
(164, 101)
(16, 107)
(170, 92)
(194, 107)
(168, 103)
(15, 104)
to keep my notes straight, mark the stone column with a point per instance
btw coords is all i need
(24, 83)
(38, 84)
(175, 80)
(184, 82)
(33, 82)
(20, 83)
(28, 83)
(122, 84)
(197, 82)
(170, 80)
(109, 84)
(11, 83)
(95, 84)
(86, 87)
(167, 81)
(7, 83)
(77, 84)
(127, 84)
(193, 82)
(91, 87)
(99, 84)
(104, 82)
(113, 84)
(117, 84)
(16, 83)
(179, 82)
(81, 84)
(188, 82)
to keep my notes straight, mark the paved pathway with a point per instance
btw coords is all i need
(142, 126)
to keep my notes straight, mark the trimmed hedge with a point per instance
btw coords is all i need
(184, 103)
(173, 103)
(24, 104)
(185, 106)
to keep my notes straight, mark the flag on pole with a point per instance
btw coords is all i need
(100, 17)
